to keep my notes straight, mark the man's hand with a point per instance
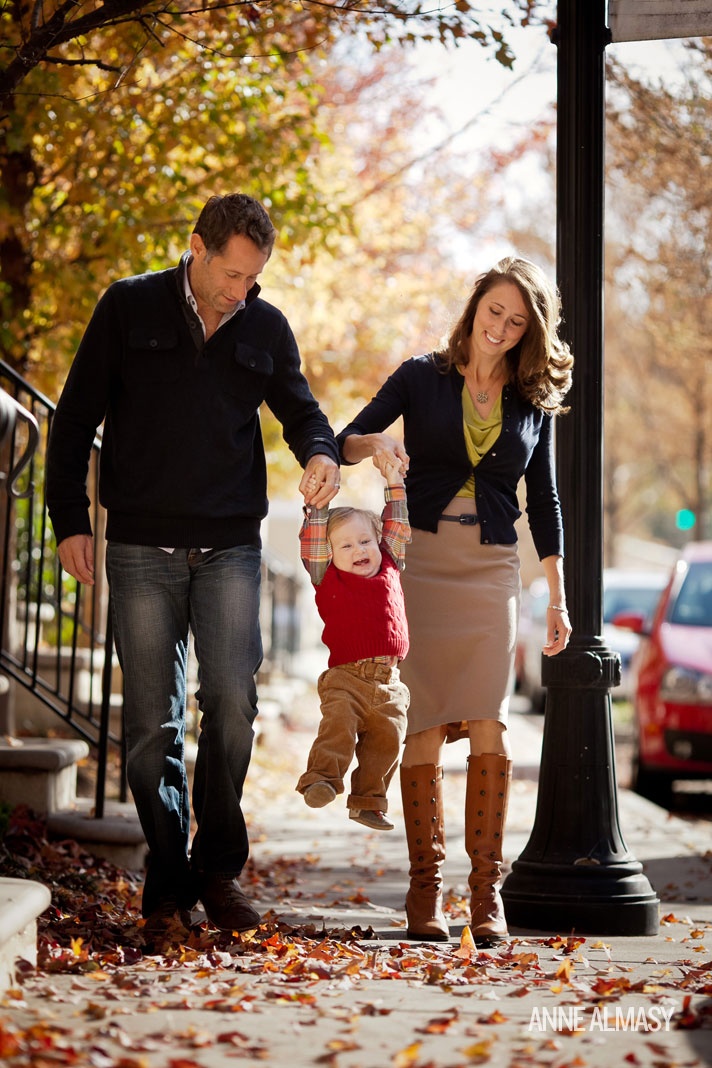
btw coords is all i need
(76, 555)
(320, 481)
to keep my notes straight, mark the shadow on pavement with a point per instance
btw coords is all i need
(681, 878)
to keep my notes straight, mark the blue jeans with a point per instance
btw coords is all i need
(157, 598)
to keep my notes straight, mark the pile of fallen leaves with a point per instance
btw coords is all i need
(92, 900)
(94, 920)
(91, 956)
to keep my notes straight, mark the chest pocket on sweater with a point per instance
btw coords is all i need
(247, 372)
(152, 355)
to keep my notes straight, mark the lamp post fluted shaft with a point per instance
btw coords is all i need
(576, 872)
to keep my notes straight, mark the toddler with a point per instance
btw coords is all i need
(354, 560)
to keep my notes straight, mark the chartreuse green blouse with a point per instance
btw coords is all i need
(480, 435)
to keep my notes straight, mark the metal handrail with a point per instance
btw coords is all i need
(56, 639)
(55, 634)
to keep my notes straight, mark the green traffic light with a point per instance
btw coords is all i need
(685, 519)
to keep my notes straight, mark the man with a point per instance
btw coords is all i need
(176, 363)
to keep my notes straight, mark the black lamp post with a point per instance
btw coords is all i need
(576, 872)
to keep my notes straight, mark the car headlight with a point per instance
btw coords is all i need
(685, 686)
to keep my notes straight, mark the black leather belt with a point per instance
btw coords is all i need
(467, 520)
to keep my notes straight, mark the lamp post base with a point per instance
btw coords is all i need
(565, 898)
(576, 872)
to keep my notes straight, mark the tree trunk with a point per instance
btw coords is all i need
(17, 178)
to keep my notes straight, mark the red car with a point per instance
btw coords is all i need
(672, 680)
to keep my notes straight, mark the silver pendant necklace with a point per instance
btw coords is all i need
(482, 397)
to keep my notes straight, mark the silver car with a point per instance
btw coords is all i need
(623, 591)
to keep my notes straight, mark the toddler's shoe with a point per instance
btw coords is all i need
(319, 794)
(377, 821)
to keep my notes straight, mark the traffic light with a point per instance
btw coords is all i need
(685, 519)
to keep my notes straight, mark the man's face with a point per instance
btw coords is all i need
(221, 280)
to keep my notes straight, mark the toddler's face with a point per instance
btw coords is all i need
(354, 547)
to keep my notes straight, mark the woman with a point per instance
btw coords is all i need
(477, 416)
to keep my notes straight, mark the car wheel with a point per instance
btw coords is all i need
(654, 785)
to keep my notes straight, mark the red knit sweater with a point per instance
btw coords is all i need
(363, 617)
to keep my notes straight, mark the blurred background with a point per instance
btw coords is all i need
(399, 152)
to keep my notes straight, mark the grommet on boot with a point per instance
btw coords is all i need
(421, 788)
(489, 778)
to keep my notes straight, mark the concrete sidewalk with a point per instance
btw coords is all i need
(613, 990)
(376, 1000)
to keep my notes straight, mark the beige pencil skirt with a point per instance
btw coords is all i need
(462, 603)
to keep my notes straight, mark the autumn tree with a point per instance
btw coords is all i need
(389, 285)
(117, 119)
(658, 297)
(660, 227)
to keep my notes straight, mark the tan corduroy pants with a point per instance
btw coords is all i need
(364, 707)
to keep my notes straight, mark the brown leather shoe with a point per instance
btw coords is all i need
(225, 904)
(169, 924)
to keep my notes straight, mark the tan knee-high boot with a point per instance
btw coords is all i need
(488, 781)
(421, 787)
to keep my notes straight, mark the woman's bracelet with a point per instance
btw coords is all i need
(558, 607)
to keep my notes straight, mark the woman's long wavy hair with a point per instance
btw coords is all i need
(540, 364)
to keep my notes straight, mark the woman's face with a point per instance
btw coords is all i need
(500, 321)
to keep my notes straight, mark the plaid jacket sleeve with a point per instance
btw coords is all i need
(396, 526)
(314, 544)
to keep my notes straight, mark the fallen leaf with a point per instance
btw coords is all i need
(479, 1052)
(407, 1057)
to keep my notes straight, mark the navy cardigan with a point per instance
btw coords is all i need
(430, 403)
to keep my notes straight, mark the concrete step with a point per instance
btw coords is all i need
(117, 836)
(21, 902)
(40, 772)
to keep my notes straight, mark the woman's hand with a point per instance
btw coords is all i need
(382, 448)
(558, 630)
(391, 472)
(558, 625)
(388, 452)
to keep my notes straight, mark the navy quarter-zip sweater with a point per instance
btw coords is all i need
(182, 457)
(430, 403)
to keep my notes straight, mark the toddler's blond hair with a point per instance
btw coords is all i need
(337, 516)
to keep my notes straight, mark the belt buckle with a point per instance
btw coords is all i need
(468, 520)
